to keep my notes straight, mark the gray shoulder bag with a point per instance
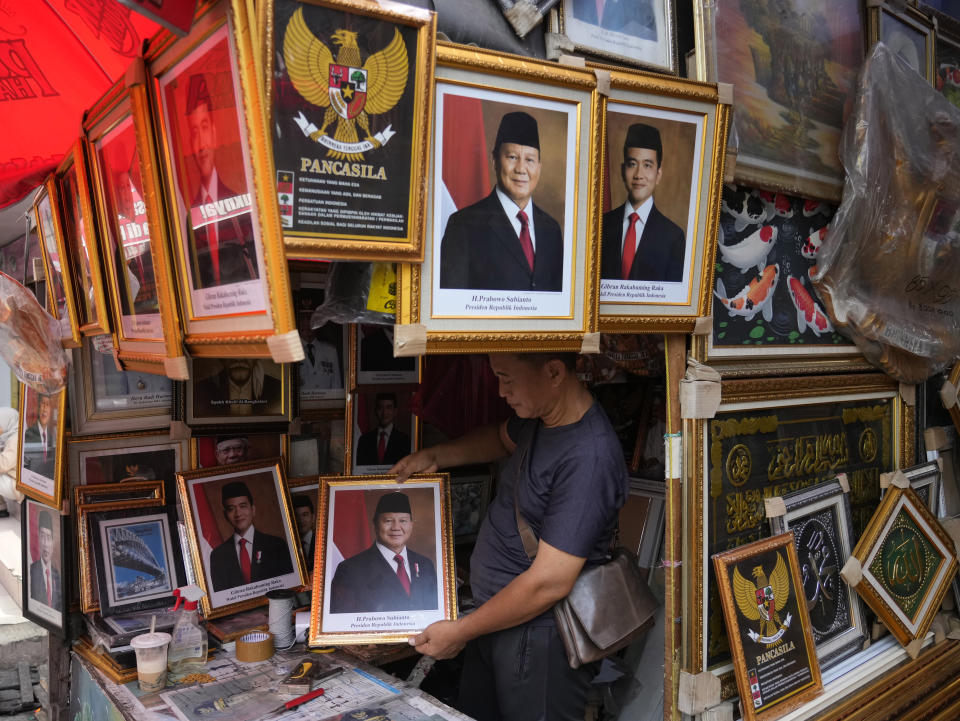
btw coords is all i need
(609, 606)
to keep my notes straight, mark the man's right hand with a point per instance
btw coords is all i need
(424, 461)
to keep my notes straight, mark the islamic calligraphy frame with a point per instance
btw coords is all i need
(269, 332)
(875, 592)
(357, 245)
(783, 542)
(745, 395)
(801, 504)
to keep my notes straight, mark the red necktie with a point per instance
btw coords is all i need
(50, 593)
(381, 446)
(402, 573)
(244, 561)
(525, 242)
(629, 247)
(212, 242)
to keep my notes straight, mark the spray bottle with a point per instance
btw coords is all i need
(188, 647)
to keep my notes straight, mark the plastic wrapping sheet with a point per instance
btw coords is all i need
(349, 298)
(30, 339)
(888, 268)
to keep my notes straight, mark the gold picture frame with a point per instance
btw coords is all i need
(40, 468)
(361, 442)
(222, 579)
(56, 264)
(661, 294)
(907, 31)
(427, 494)
(126, 187)
(780, 657)
(225, 234)
(386, 177)
(907, 563)
(866, 428)
(465, 298)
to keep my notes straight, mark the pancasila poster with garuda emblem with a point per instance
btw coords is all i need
(350, 90)
(774, 657)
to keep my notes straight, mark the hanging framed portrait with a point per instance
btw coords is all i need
(40, 470)
(373, 360)
(80, 240)
(132, 230)
(907, 32)
(666, 141)
(383, 428)
(322, 374)
(46, 564)
(318, 449)
(358, 595)
(225, 230)
(46, 209)
(510, 262)
(228, 448)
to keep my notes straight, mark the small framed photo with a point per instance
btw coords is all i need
(225, 393)
(385, 567)
(819, 518)
(665, 151)
(105, 399)
(46, 209)
(40, 470)
(230, 448)
(765, 612)
(383, 428)
(352, 120)
(642, 521)
(45, 565)
(470, 496)
(925, 480)
(510, 256)
(624, 30)
(907, 564)
(907, 32)
(242, 533)
(322, 373)
(319, 449)
(225, 229)
(126, 458)
(81, 242)
(138, 271)
(138, 558)
(374, 360)
(305, 497)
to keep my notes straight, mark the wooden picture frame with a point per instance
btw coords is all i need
(125, 458)
(907, 564)
(40, 465)
(647, 37)
(372, 361)
(369, 409)
(735, 43)
(347, 595)
(262, 498)
(56, 264)
(226, 239)
(819, 518)
(307, 92)
(319, 449)
(867, 429)
(907, 32)
(80, 240)
(776, 667)
(926, 481)
(470, 495)
(105, 399)
(474, 296)
(642, 521)
(685, 126)
(45, 537)
(138, 270)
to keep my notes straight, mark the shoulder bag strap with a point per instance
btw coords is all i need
(530, 541)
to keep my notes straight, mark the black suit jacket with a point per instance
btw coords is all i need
(38, 585)
(235, 251)
(398, 446)
(33, 456)
(480, 250)
(366, 582)
(659, 254)
(270, 558)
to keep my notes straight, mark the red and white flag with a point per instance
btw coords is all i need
(466, 162)
(351, 526)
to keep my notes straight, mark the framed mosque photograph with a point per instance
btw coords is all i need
(510, 261)
(349, 89)
(56, 263)
(224, 225)
(384, 568)
(663, 176)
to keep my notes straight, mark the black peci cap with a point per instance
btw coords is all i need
(640, 135)
(395, 502)
(519, 128)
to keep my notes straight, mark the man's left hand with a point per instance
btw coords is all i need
(439, 640)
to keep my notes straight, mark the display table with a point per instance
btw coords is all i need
(247, 692)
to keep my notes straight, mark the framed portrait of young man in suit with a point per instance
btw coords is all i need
(383, 428)
(40, 471)
(242, 534)
(661, 202)
(384, 569)
(44, 568)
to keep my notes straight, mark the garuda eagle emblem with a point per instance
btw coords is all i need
(762, 601)
(349, 89)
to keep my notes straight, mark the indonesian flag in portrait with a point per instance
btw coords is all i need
(209, 534)
(351, 526)
(466, 162)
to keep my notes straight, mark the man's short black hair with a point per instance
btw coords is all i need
(233, 490)
(44, 521)
(641, 135)
(392, 397)
(300, 500)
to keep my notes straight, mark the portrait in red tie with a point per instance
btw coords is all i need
(383, 428)
(43, 594)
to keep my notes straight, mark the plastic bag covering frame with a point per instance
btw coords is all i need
(30, 339)
(887, 270)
